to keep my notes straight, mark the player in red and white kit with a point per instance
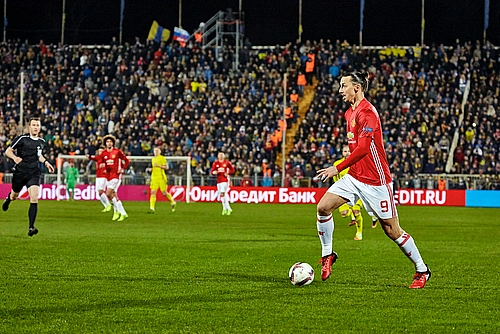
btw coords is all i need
(116, 162)
(223, 168)
(100, 179)
(368, 179)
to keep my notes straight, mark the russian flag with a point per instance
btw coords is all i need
(180, 35)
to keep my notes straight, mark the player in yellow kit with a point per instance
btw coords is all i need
(159, 180)
(345, 209)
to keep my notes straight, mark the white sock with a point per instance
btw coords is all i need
(325, 231)
(115, 204)
(104, 199)
(408, 247)
(226, 202)
(121, 208)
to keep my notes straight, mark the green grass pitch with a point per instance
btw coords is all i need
(196, 271)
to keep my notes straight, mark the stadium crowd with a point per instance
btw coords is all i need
(191, 101)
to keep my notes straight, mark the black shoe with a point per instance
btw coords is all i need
(32, 231)
(5, 205)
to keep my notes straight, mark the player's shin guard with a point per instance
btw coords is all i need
(325, 227)
(408, 247)
(32, 211)
(152, 202)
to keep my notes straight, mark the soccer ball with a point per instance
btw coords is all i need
(301, 273)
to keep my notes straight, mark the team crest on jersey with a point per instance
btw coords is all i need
(113, 156)
(353, 123)
(350, 135)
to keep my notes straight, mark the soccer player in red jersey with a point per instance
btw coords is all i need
(116, 162)
(100, 179)
(368, 179)
(223, 168)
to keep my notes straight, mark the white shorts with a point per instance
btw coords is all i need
(378, 200)
(100, 183)
(223, 187)
(114, 184)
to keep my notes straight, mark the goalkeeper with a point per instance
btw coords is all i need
(70, 180)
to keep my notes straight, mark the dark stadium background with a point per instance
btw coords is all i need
(267, 22)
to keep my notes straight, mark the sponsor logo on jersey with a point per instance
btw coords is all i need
(350, 135)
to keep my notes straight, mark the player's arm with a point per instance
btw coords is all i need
(123, 157)
(367, 125)
(46, 163)
(163, 164)
(213, 171)
(9, 153)
(231, 168)
(357, 154)
(95, 158)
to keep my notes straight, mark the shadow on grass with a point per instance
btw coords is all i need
(149, 301)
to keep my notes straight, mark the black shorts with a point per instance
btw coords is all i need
(26, 178)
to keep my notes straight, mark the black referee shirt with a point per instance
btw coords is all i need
(29, 149)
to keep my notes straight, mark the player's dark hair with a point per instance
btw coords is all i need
(33, 118)
(106, 137)
(360, 78)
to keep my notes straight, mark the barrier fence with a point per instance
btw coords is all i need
(259, 195)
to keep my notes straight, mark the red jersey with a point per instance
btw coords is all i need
(368, 161)
(100, 166)
(223, 168)
(113, 160)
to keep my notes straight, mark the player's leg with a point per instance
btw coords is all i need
(163, 189)
(222, 199)
(342, 191)
(121, 209)
(33, 191)
(356, 210)
(173, 203)
(71, 190)
(17, 185)
(10, 197)
(222, 188)
(325, 225)
(100, 185)
(110, 192)
(407, 245)
(226, 199)
(345, 211)
(152, 201)
(152, 196)
(379, 200)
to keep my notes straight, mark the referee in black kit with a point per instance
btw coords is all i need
(28, 156)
